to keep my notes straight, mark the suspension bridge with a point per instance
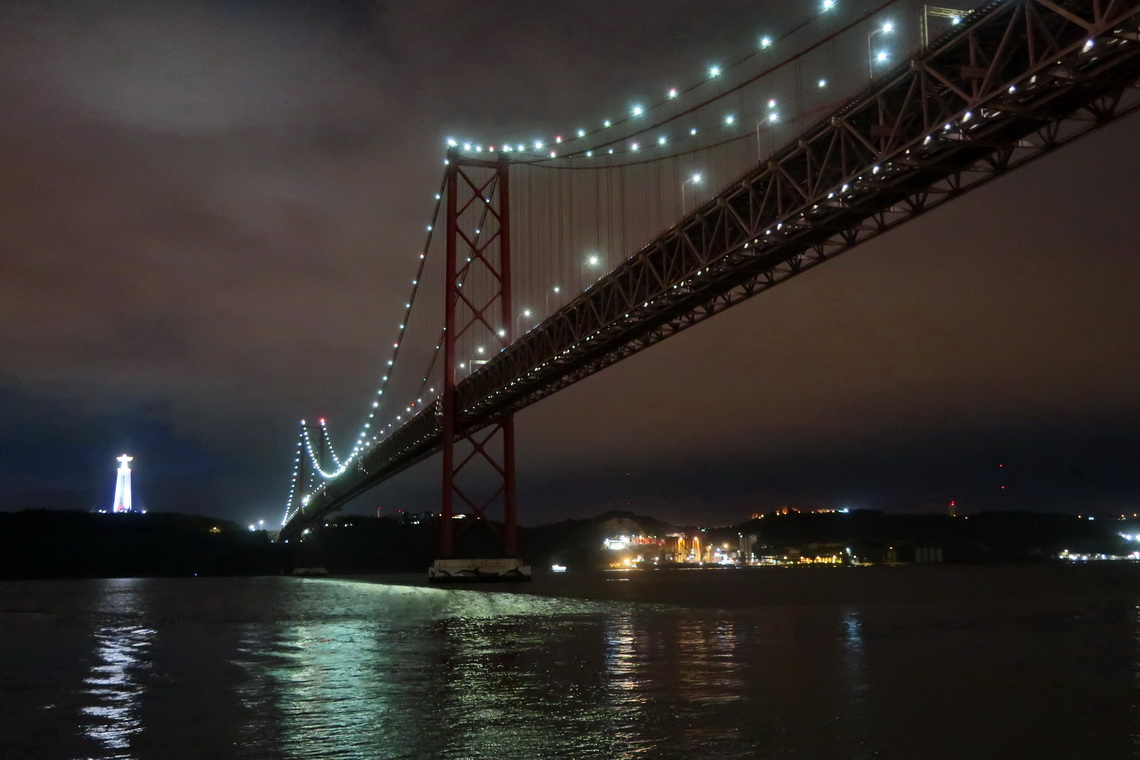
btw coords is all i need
(551, 259)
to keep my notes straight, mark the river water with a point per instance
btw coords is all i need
(906, 662)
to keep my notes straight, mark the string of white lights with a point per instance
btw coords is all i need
(364, 435)
(582, 142)
(294, 488)
(439, 343)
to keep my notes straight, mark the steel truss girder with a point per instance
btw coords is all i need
(1013, 82)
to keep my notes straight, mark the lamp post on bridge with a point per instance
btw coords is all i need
(882, 56)
(696, 179)
(555, 290)
(593, 261)
(773, 117)
(518, 326)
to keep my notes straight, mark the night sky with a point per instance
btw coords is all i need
(208, 206)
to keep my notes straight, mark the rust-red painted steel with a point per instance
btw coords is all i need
(485, 183)
(444, 535)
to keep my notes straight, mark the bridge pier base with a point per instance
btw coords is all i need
(478, 570)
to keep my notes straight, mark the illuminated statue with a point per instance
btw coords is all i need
(123, 485)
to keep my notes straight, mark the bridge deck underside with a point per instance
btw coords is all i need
(1015, 81)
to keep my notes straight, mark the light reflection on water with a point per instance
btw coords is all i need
(856, 692)
(294, 669)
(1136, 677)
(111, 715)
(625, 696)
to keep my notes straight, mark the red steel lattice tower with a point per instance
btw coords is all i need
(478, 452)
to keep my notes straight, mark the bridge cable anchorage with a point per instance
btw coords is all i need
(983, 99)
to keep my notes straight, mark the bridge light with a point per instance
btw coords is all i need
(729, 120)
(828, 4)
(765, 42)
(673, 93)
(714, 71)
(822, 83)
(637, 111)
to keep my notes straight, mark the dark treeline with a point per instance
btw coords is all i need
(60, 544)
(47, 544)
(982, 537)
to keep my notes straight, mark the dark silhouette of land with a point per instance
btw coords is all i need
(56, 544)
(68, 544)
